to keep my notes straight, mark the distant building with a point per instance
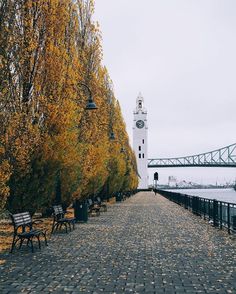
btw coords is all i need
(140, 136)
(172, 182)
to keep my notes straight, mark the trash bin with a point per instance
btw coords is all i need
(81, 211)
(119, 197)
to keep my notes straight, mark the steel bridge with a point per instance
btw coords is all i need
(223, 157)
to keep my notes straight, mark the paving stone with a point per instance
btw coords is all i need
(146, 244)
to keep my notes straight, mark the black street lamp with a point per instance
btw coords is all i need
(112, 136)
(90, 103)
(89, 106)
(80, 206)
(122, 150)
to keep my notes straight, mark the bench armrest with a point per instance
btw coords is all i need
(37, 221)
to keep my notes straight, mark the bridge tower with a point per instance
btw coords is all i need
(140, 130)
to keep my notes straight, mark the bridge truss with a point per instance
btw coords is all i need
(223, 157)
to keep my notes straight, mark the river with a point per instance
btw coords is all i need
(227, 195)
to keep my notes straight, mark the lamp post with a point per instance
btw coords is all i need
(127, 160)
(80, 207)
(111, 133)
(112, 138)
(89, 106)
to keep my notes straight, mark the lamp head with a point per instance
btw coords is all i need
(122, 150)
(91, 105)
(112, 136)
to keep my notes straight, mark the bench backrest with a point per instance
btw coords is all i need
(90, 202)
(22, 219)
(58, 211)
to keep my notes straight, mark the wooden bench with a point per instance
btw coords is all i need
(24, 230)
(101, 204)
(93, 208)
(60, 220)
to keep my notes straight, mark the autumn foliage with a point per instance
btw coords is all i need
(48, 48)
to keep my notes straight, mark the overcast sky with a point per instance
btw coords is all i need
(181, 55)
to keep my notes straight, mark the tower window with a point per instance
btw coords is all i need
(139, 148)
(143, 141)
(139, 155)
(143, 155)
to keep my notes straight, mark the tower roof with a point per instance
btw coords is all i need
(140, 97)
(140, 103)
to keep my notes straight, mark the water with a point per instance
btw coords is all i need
(227, 195)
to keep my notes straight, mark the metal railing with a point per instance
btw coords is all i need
(221, 214)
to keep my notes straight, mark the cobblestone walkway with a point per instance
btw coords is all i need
(143, 245)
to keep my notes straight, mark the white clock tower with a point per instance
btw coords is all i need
(140, 129)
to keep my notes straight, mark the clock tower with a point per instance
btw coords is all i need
(140, 129)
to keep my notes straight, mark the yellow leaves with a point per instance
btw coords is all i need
(5, 173)
(58, 48)
(21, 141)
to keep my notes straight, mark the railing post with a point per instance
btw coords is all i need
(215, 213)
(228, 218)
(185, 201)
(195, 206)
(191, 203)
(209, 209)
(204, 208)
(201, 208)
(221, 215)
(233, 217)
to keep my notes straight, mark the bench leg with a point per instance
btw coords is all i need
(65, 224)
(14, 241)
(57, 226)
(39, 243)
(31, 244)
(45, 239)
(53, 227)
(21, 242)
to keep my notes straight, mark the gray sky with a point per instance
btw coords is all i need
(181, 55)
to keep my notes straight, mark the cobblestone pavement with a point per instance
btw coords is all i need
(143, 245)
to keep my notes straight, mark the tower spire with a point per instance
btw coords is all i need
(140, 103)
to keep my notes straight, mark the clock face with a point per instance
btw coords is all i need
(140, 124)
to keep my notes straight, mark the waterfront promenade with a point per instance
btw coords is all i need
(146, 244)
